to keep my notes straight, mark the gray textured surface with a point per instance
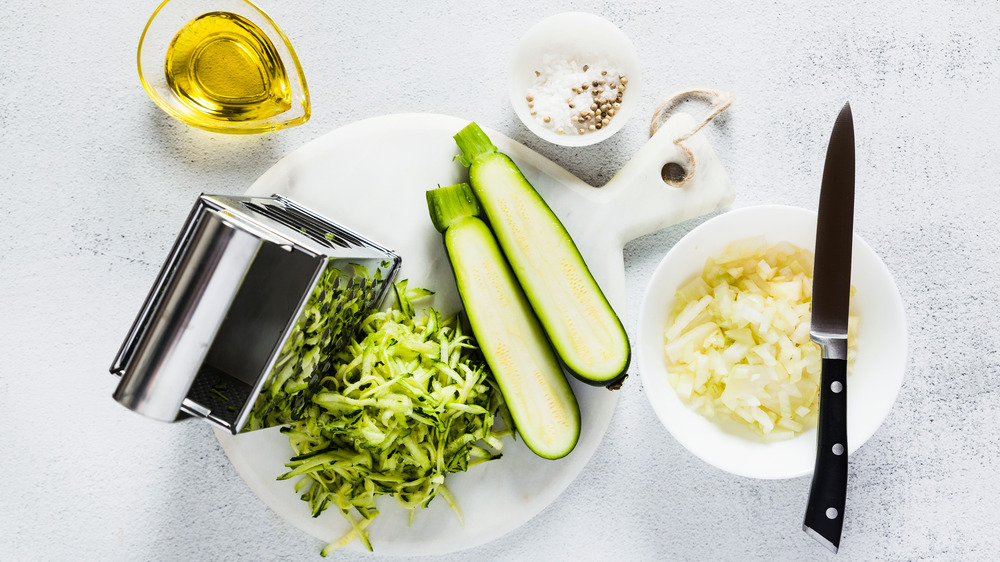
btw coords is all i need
(96, 180)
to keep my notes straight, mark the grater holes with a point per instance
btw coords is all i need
(325, 233)
(374, 290)
(276, 215)
(344, 282)
(321, 223)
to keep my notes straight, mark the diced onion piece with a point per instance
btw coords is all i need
(690, 312)
(737, 342)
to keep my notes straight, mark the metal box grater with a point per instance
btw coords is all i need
(230, 327)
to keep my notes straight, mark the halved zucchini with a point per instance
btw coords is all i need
(514, 345)
(584, 329)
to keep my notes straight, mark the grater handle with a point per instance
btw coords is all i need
(184, 311)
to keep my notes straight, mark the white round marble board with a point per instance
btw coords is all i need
(371, 176)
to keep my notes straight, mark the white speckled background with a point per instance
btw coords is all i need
(96, 181)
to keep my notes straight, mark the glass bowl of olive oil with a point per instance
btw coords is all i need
(223, 66)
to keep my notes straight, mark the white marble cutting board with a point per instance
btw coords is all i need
(371, 177)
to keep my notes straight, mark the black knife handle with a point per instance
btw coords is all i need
(828, 494)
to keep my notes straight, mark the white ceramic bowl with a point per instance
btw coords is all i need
(585, 37)
(872, 386)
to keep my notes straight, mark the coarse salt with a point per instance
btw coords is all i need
(555, 104)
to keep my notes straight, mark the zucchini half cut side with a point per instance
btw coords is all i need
(526, 369)
(583, 327)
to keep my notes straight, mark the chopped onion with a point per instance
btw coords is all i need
(737, 341)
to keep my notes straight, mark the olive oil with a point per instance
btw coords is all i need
(222, 67)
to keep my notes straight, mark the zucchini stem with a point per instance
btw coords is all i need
(474, 144)
(448, 205)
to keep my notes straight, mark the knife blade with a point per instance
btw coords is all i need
(831, 297)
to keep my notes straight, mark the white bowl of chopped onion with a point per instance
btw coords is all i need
(574, 79)
(760, 428)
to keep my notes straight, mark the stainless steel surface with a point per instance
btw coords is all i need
(834, 346)
(229, 295)
(192, 305)
(834, 235)
(822, 540)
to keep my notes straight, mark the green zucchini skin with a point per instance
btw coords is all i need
(583, 327)
(538, 396)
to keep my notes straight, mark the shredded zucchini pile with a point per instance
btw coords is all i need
(406, 402)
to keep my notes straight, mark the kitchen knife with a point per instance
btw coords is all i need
(831, 298)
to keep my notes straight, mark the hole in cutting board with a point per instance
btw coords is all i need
(673, 173)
